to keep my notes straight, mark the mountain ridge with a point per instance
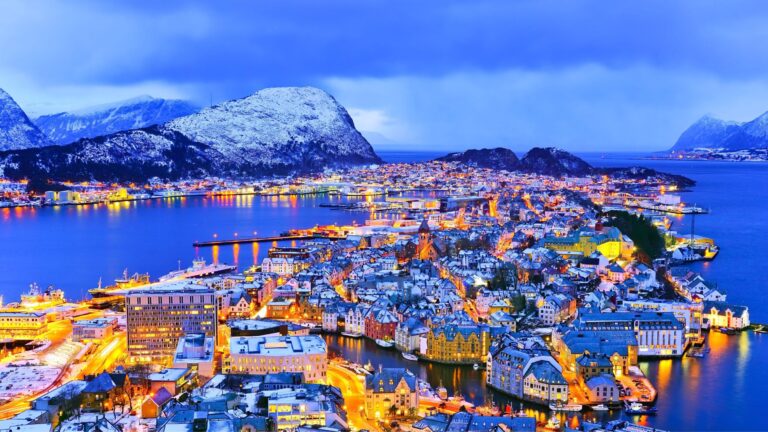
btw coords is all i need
(136, 113)
(714, 133)
(553, 162)
(273, 131)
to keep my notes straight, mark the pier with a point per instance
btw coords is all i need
(239, 240)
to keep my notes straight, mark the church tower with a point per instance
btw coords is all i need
(424, 251)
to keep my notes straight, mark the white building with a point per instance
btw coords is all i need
(272, 354)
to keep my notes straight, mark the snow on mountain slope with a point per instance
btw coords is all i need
(140, 112)
(274, 131)
(302, 125)
(16, 130)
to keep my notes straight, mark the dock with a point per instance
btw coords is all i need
(241, 240)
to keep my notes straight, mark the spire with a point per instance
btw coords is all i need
(424, 227)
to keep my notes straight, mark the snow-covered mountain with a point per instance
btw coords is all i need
(273, 131)
(136, 113)
(712, 133)
(16, 130)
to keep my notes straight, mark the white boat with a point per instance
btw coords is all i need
(409, 356)
(352, 335)
(384, 343)
(199, 269)
(565, 408)
(369, 367)
(477, 366)
(600, 407)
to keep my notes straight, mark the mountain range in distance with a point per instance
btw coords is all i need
(275, 131)
(554, 162)
(713, 133)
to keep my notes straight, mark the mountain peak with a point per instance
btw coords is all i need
(714, 133)
(17, 132)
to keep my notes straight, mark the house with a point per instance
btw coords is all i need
(556, 308)
(408, 334)
(720, 314)
(589, 365)
(603, 388)
(98, 393)
(153, 405)
(545, 382)
(175, 380)
(391, 392)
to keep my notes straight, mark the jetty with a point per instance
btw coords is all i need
(270, 239)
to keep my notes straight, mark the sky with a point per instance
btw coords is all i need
(420, 75)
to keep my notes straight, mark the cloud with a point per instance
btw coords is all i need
(584, 108)
(580, 74)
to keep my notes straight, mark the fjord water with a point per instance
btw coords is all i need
(73, 246)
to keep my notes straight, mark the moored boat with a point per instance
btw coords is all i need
(409, 356)
(553, 423)
(638, 408)
(565, 407)
(352, 334)
(384, 343)
(600, 407)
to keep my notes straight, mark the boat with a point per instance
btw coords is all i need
(369, 367)
(727, 330)
(565, 407)
(477, 366)
(600, 407)
(553, 423)
(384, 343)
(352, 334)
(638, 408)
(761, 330)
(442, 392)
(199, 269)
(409, 356)
(124, 283)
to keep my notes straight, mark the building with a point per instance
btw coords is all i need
(391, 392)
(408, 334)
(457, 343)
(22, 325)
(603, 388)
(721, 314)
(272, 354)
(318, 407)
(590, 365)
(94, 331)
(158, 318)
(659, 334)
(556, 308)
(174, 380)
(195, 351)
(544, 382)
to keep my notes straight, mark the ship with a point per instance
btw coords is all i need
(559, 406)
(199, 269)
(36, 298)
(638, 408)
(123, 283)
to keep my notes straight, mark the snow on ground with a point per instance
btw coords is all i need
(17, 381)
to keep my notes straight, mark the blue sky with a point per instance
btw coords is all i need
(580, 75)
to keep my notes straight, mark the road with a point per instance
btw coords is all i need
(102, 358)
(353, 389)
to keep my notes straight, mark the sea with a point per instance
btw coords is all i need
(79, 247)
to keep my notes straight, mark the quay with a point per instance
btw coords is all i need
(240, 240)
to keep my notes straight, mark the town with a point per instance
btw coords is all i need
(553, 288)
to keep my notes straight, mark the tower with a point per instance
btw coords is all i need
(425, 250)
